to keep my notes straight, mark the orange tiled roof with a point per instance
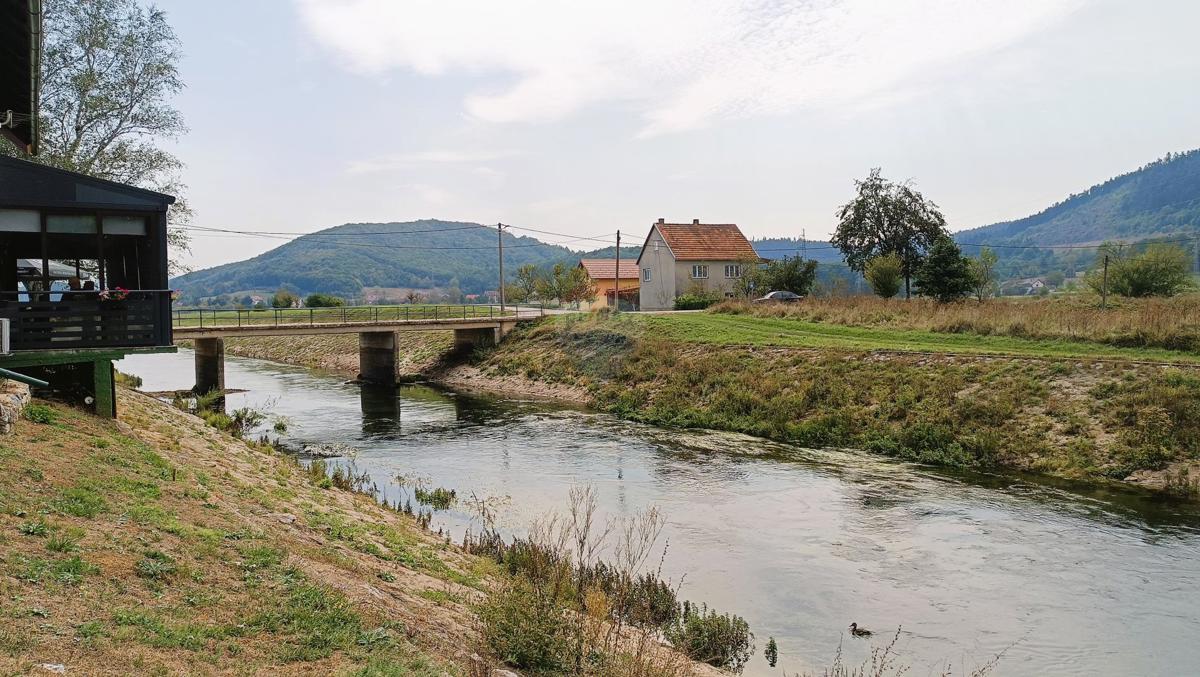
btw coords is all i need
(605, 269)
(706, 241)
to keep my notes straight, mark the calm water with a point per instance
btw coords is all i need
(798, 542)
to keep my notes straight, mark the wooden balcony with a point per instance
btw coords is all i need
(65, 320)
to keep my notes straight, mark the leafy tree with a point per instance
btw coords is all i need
(884, 273)
(983, 274)
(1055, 278)
(324, 301)
(284, 299)
(793, 274)
(945, 274)
(566, 284)
(888, 218)
(108, 73)
(412, 297)
(524, 288)
(247, 301)
(1161, 270)
(771, 653)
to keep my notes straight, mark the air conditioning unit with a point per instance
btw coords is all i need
(4, 349)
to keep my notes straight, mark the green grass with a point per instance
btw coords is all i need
(720, 329)
(348, 314)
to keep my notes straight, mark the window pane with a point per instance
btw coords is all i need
(124, 225)
(72, 223)
(20, 221)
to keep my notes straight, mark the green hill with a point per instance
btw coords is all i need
(1155, 201)
(417, 254)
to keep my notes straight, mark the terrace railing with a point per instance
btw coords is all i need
(188, 318)
(65, 320)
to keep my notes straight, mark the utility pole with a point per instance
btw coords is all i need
(804, 243)
(1104, 286)
(617, 278)
(500, 252)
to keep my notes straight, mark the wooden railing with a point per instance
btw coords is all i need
(65, 320)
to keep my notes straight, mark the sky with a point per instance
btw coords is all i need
(583, 118)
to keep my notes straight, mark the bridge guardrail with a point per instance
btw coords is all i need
(201, 318)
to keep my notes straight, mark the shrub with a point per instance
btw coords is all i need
(527, 629)
(437, 498)
(324, 301)
(885, 274)
(39, 413)
(720, 640)
(693, 301)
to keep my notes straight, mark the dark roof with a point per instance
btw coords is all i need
(605, 269)
(33, 185)
(20, 48)
(706, 241)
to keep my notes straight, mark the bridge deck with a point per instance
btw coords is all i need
(350, 319)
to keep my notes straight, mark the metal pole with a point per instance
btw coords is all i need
(1104, 286)
(500, 252)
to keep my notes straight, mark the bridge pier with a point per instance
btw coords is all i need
(377, 356)
(210, 365)
(469, 339)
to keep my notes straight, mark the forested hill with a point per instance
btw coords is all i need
(1157, 200)
(342, 260)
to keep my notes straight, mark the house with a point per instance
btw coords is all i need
(609, 282)
(681, 258)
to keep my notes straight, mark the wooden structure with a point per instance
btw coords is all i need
(56, 224)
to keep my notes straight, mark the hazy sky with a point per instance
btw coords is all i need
(586, 117)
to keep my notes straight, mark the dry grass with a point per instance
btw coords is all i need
(1172, 323)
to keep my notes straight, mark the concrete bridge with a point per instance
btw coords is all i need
(376, 327)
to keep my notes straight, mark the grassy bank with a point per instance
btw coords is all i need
(1079, 409)
(160, 545)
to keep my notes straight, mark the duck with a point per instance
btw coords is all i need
(859, 632)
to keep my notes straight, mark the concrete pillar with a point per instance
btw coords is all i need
(210, 365)
(469, 339)
(377, 356)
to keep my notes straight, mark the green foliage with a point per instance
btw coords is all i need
(324, 301)
(155, 566)
(887, 218)
(696, 301)
(39, 413)
(284, 299)
(983, 274)
(790, 273)
(945, 274)
(128, 380)
(721, 640)
(38, 528)
(1160, 270)
(527, 628)
(437, 498)
(81, 501)
(771, 653)
(885, 274)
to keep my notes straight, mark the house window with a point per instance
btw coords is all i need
(645, 274)
(733, 271)
(699, 272)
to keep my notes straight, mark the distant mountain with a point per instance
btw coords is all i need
(1158, 200)
(342, 260)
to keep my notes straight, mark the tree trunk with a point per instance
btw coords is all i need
(906, 292)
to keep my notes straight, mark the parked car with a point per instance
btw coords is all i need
(779, 297)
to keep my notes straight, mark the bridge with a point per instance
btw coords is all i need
(376, 326)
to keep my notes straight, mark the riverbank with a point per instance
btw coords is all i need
(158, 544)
(1084, 410)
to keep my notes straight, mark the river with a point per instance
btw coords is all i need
(1073, 581)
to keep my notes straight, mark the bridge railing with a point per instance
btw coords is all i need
(201, 318)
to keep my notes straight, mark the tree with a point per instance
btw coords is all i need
(324, 301)
(524, 288)
(983, 274)
(1161, 270)
(108, 72)
(412, 297)
(793, 274)
(566, 284)
(945, 274)
(284, 299)
(888, 218)
(884, 273)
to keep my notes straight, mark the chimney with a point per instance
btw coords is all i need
(695, 222)
(662, 220)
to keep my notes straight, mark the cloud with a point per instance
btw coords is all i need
(427, 157)
(680, 63)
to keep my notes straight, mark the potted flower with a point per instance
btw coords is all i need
(114, 294)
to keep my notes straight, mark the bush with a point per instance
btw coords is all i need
(1161, 270)
(885, 274)
(39, 413)
(695, 301)
(324, 301)
(720, 640)
(527, 630)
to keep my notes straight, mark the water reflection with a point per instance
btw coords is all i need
(1088, 581)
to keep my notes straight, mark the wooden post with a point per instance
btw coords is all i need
(617, 279)
(105, 388)
(1104, 286)
(500, 251)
